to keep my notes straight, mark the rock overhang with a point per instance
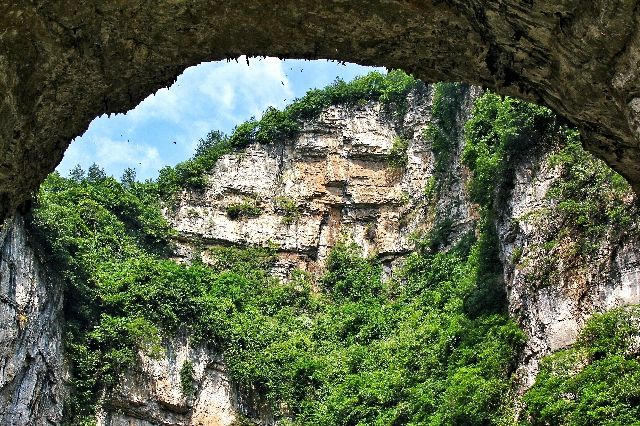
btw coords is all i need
(64, 63)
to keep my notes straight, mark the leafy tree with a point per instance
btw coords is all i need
(128, 177)
(213, 138)
(95, 173)
(77, 173)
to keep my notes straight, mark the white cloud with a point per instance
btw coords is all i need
(118, 155)
(228, 92)
(77, 153)
(250, 88)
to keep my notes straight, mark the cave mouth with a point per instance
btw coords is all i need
(165, 128)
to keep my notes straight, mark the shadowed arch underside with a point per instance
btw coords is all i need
(63, 63)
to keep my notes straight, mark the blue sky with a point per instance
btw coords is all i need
(210, 96)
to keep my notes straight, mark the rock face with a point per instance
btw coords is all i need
(332, 182)
(552, 309)
(31, 358)
(155, 395)
(64, 63)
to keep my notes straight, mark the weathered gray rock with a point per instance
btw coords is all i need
(63, 63)
(552, 310)
(153, 394)
(31, 358)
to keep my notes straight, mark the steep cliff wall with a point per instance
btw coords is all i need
(552, 288)
(31, 358)
(187, 386)
(336, 180)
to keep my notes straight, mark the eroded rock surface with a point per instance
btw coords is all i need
(63, 63)
(154, 393)
(31, 358)
(332, 182)
(551, 291)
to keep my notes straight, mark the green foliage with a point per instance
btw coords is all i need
(591, 199)
(247, 208)
(516, 255)
(595, 382)
(187, 373)
(288, 208)
(390, 89)
(128, 177)
(397, 156)
(432, 345)
(429, 191)
(349, 276)
(191, 173)
(365, 351)
(95, 173)
(501, 131)
(92, 226)
(442, 132)
(439, 236)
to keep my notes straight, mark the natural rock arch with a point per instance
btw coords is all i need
(63, 63)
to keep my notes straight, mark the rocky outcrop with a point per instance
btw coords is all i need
(63, 63)
(31, 358)
(334, 181)
(552, 292)
(187, 385)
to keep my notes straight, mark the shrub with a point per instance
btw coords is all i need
(247, 208)
(595, 382)
(442, 132)
(397, 156)
(187, 374)
(499, 132)
(366, 350)
(288, 208)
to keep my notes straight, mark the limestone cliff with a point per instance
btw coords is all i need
(551, 290)
(335, 180)
(156, 393)
(32, 369)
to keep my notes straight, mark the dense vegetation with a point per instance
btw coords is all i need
(364, 351)
(389, 89)
(444, 130)
(432, 345)
(597, 381)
